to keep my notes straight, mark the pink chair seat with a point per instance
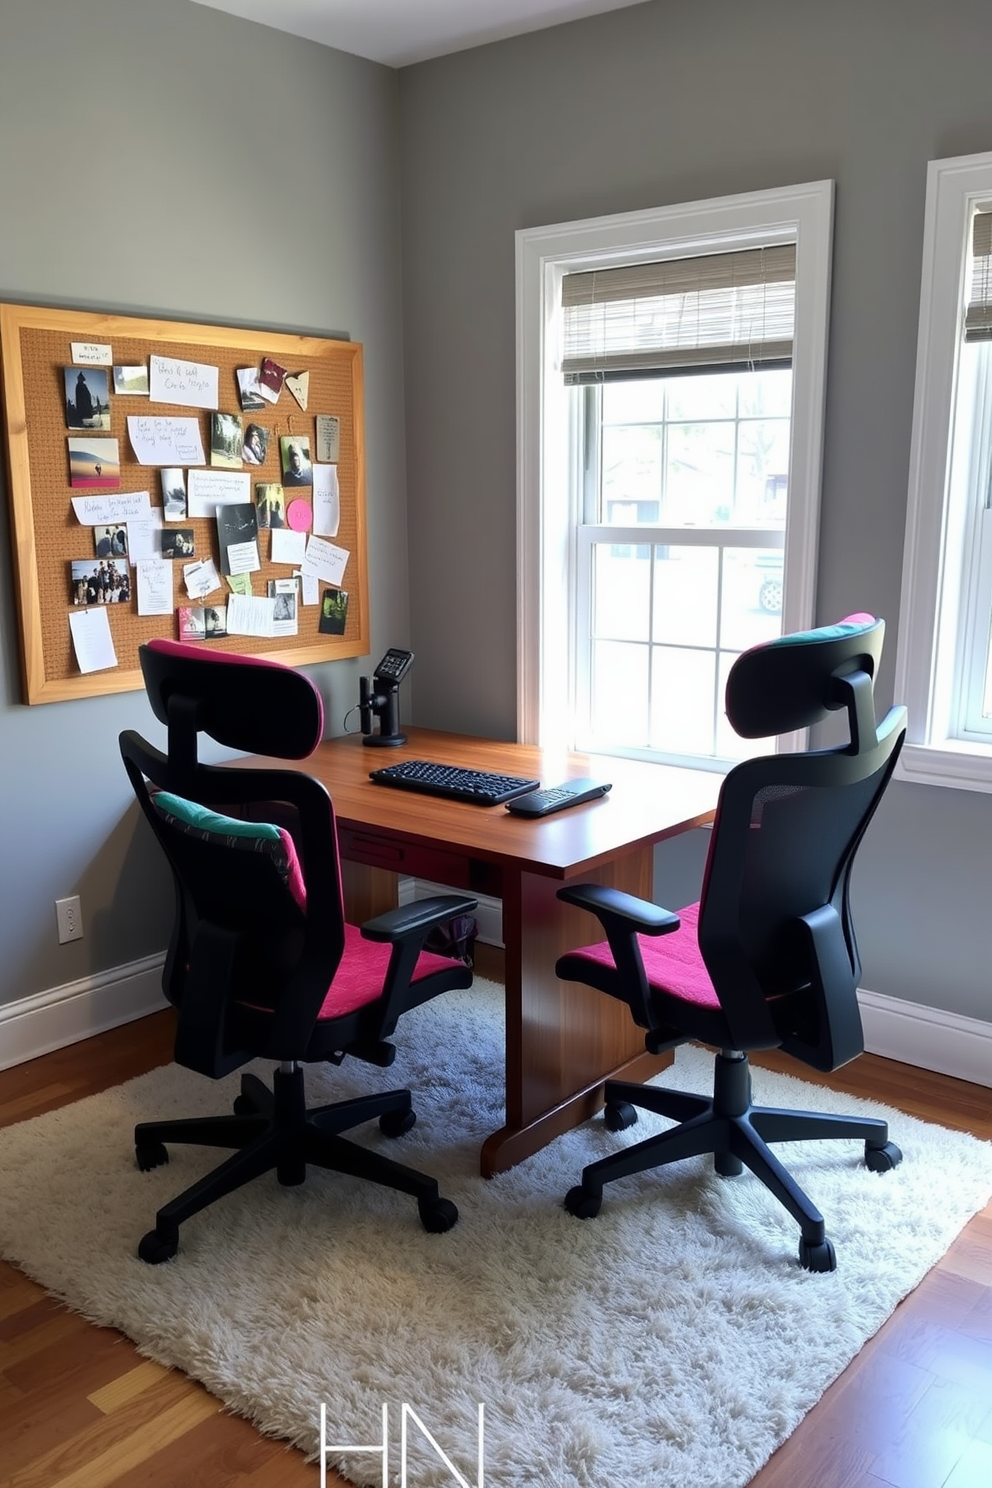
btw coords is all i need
(673, 963)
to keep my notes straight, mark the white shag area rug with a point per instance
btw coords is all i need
(672, 1341)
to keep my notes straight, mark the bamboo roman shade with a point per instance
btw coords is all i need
(718, 310)
(978, 315)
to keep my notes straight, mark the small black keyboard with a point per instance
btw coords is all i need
(481, 787)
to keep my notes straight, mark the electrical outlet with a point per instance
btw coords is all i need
(70, 919)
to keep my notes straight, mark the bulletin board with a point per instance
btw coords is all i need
(51, 466)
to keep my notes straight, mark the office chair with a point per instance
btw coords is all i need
(768, 957)
(261, 962)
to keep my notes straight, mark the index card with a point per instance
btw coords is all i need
(103, 511)
(208, 489)
(325, 561)
(91, 639)
(201, 578)
(287, 546)
(144, 540)
(165, 441)
(91, 354)
(251, 615)
(154, 586)
(309, 589)
(191, 384)
(326, 501)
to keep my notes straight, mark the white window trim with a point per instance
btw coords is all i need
(544, 530)
(953, 186)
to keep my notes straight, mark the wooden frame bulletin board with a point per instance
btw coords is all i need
(36, 354)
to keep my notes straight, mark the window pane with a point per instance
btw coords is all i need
(700, 474)
(703, 396)
(752, 597)
(762, 468)
(682, 700)
(685, 595)
(621, 591)
(640, 401)
(619, 695)
(766, 393)
(631, 474)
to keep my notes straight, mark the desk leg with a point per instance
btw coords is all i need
(562, 1039)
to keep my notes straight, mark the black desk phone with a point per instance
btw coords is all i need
(380, 697)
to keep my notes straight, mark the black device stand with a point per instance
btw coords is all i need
(385, 706)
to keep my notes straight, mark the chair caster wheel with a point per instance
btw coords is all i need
(618, 1115)
(244, 1106)
(150, 1155)
(437, 1215)
(395, 1123)
(882, 1159)
(820, 1257)
(583, 1204)
(155, 1248)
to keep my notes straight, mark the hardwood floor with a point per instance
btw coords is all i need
(80, 1408)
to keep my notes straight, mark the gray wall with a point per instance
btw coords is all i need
(119, 120)
(661, 103)
(129, 104)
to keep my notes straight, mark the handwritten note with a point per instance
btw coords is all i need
(325, 561)
(193, 384)
(155, 587)
(326, 501)
(101, 511)
(144, 537)
(165, 441)
(91, 639)
(91, 354)
(209, 489)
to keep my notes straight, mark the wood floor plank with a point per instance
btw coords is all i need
(126, 1386)
(97, 1455)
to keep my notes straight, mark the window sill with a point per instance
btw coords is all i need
(963, 766)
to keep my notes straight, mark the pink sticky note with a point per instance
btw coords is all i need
(299, 515)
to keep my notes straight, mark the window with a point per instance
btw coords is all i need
(944, 666)
(670, 389)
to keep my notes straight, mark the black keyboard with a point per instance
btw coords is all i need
(478, 786)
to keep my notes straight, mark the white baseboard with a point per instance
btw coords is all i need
(50, 1020)
(488, 915)
(927, 1037)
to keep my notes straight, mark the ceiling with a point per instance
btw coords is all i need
(399, 32)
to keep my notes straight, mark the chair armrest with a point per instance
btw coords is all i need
(624, 910)
(416, 918)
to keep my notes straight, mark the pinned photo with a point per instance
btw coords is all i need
(251, 398)
(270, 505)
(111, 542)
(173, 495)
(294, 454)
(97, 582)
(328, 439)
(256, 445)
(87, 398)
(270, 379)
(177, 542)
(333, 612)
(202, 622)
(226, 440)
(94, 464)
(131, 381)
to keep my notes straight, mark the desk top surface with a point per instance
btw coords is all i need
(648, 802)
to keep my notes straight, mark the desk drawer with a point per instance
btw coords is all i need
(377, 850)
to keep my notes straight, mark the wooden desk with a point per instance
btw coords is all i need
(562, 1039)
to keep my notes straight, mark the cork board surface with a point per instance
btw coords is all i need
(35, 346)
